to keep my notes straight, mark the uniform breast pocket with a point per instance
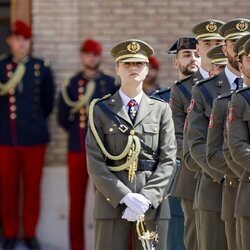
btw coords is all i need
(151, 135)
(115, 141)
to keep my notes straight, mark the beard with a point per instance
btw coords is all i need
(188, 70)
(246, 72)
(233, 62)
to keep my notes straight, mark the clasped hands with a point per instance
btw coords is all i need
(137, 205)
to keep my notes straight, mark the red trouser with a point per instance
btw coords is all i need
(78, 180)
(29, 162)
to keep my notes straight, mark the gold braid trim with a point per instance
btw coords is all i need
(131, 150)
(14, 80)
(148, 239)
(76, 105)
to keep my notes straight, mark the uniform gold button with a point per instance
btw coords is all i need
(11, 91)
(13, 108)
(82, 111)
(8, 66)
(108, 199)
(82, 124)
(214, 181)
(10, 74)
(37, 66)
(81, 89)
(80, 82)
(113, 100)
(111, 130)
(249, 178)
(12, 99)
(13, 116)
(37, 73)
(82, 118)
(230, 183)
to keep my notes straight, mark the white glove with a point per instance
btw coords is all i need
(137, 202)
(130, 215)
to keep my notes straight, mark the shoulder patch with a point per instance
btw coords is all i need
(226, 95)
(205, 80)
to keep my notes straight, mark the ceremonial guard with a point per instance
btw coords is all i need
(131, 156)
(209, 193)
(26, 100)
(239, 145)
(76, 95)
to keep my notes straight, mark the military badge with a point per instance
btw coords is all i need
(211, 27)
(191, 106)
(230, 115)
(211, 121)
(242, 25)
(134, 47)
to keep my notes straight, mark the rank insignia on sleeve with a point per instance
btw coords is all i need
(191, 106)
(230, 115)
(211, 121)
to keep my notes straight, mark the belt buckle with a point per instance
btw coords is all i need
(123, 128)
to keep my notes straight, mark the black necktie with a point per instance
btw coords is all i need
(239, 82)
(132, 110)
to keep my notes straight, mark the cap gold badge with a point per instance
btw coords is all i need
(211, 27)
(134, 47)
(242, 25)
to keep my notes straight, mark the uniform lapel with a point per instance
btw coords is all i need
(144, 109)
(116, 106)
(222, 85)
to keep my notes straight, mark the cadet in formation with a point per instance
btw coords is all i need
(209, 192)
(131, 156)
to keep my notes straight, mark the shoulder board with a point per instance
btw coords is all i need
(161, 91)
(156, 98)
(226, 95)
(205, 80)
(242, 90)
(183, 80)
(3, 56)
(106, 97)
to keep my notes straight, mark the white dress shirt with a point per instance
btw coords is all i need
(231, 78)
(204, 73)
(126, 99)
